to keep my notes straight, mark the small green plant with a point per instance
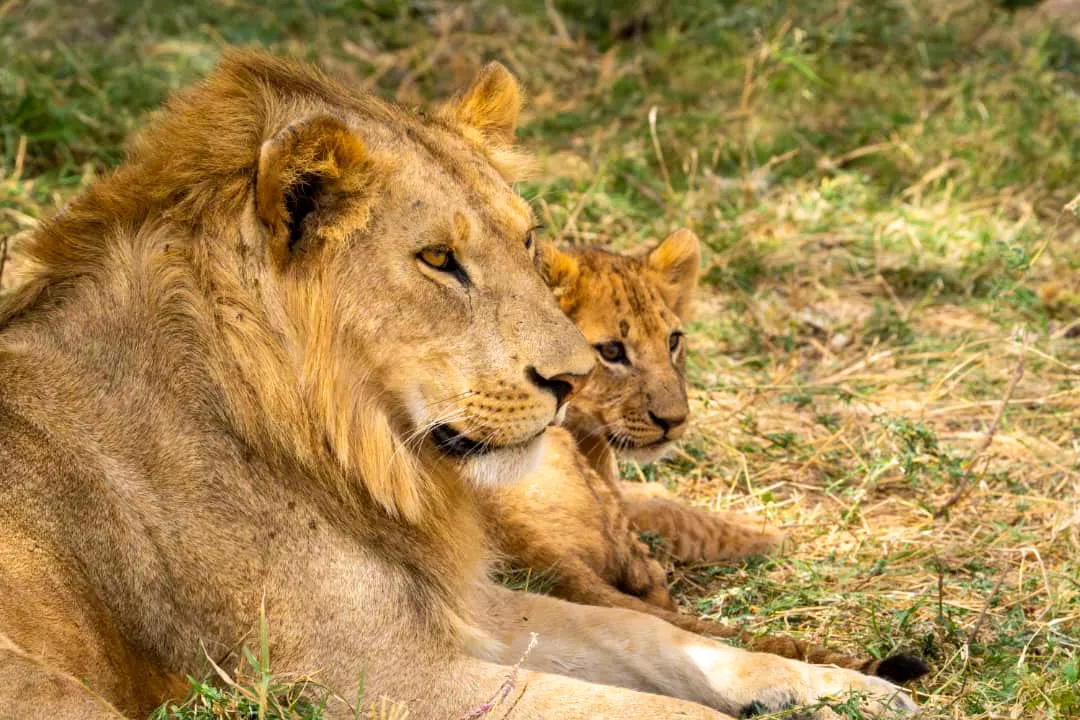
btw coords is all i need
(921, 453)
(252, 693)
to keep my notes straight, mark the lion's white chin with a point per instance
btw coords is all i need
(503, 465)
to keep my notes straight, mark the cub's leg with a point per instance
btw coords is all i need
(36, 692)
(619, 647)
(693, 535)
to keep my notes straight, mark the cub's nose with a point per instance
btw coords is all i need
(562, 386)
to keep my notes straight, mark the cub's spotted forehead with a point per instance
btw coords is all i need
(615, 291)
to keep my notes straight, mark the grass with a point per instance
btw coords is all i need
(884, 192)
(253, 692)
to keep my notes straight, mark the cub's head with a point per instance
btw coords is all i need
(631, 311)
(387, 258)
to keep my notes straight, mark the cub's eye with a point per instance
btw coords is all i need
(438, 257)
(675, 341)
(613, 351)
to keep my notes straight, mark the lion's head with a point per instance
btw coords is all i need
(631, 311)
(369, 271)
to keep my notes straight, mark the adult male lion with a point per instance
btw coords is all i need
(261, 364)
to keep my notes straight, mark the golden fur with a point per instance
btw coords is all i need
(264, 364)
(572, 524)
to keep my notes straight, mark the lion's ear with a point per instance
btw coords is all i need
(490, 105)
(676, 261)
(311, 179)
(559, 270)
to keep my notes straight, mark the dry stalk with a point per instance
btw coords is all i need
(3, 258)
(986, 608)
(658, 150)
(965, 480)
(504, 690)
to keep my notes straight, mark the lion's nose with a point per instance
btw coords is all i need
(562, 386)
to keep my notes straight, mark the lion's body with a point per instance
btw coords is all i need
(233, 383)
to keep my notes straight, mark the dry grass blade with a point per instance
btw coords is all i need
(505, 689)
(988, 438)
(3, 258)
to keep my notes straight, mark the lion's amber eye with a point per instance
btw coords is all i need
(675, 341)
(613, 352)
(438, 257)
(441, 258)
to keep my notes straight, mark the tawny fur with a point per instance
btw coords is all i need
(217, 394)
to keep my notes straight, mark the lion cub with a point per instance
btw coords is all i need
(573, 520)
(572, 523)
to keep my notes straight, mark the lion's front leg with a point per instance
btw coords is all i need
(629, 649)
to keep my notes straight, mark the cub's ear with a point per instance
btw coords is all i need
(676, 261)
(559, 270)
(312, 186)
(490, 105)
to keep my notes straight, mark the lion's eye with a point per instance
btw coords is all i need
(438, 257)
(441, 258)
(530, 236)
(613, 352)
(675, 341)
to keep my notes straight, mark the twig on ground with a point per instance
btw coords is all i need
(986, 608)
(571, 218)
(3, 258)
(965, 480)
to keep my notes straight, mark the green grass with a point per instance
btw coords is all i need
(253, 692)
(881, 188)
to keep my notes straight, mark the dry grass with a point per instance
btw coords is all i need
(883, 190)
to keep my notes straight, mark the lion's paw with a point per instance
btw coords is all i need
(874, 696)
